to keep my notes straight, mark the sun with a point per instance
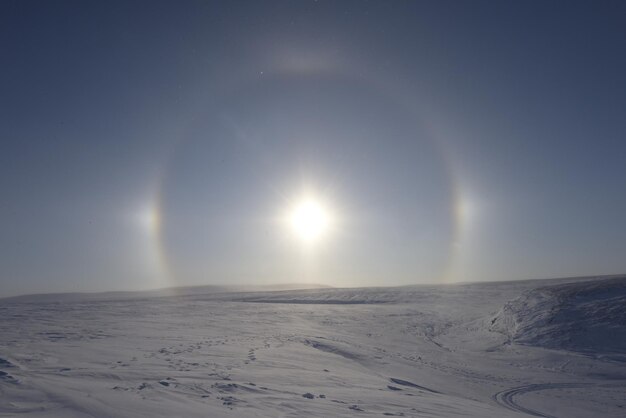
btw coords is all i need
(309, 219)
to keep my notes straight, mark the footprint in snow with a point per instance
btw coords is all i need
(6, 376)
(5, 363)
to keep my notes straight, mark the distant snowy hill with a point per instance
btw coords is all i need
(164, 292)
(584, 317)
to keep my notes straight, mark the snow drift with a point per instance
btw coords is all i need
(584, 317)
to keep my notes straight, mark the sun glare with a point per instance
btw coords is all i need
(309, 220)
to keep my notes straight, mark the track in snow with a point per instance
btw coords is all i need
(506, 398)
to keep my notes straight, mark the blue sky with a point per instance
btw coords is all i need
(148, 144)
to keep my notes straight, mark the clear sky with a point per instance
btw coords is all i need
(148, 144)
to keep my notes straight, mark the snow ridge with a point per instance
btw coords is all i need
(584, 317)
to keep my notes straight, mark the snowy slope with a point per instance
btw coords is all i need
(421, 351)
(586, 317)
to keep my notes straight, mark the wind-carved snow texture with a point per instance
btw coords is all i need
(584, 317)
(506, 349)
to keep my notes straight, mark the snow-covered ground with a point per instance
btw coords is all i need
(506, 349)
